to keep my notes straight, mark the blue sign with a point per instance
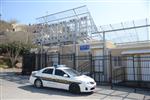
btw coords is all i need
(84, 47)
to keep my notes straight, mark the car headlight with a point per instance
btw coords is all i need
(90, 82)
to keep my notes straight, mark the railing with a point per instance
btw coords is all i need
(131, 71)
(134, 72)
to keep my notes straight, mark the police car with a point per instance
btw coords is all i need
(62, 77)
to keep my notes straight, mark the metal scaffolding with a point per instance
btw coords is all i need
(66, 27)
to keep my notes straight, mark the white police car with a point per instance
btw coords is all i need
(63, 78)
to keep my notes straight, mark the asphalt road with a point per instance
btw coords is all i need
(17, 87)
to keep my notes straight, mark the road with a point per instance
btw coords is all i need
(17, 87)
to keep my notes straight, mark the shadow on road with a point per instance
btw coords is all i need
(52, 91)
(13, 77)
(24, 84)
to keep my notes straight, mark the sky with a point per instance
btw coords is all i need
(103, 11)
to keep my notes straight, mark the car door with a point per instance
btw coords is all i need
(47, 77)
(62, 81)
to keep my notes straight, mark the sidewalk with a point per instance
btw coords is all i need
(121, 93)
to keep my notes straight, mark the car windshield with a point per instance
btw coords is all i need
(72, 72)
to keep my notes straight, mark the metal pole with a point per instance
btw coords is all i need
(59, 58)
(111, 72)
(134, 73)
(74, 43)
(75, 35)
(41, 55)
(128, 28)
(74, 61)
(91, 63)
(104, 58)
(62, 11)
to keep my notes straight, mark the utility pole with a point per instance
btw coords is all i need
(74, 44)
(104, 57)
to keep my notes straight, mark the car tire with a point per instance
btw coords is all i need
(38, 83)
(74, 88)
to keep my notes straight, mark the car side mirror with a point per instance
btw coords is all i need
(65, 75)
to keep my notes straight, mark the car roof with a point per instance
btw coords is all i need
(58, 67)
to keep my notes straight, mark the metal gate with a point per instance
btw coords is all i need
(131, 71)
(53, 59)
(84, 64)
(100, 64)
(28, 63)
(68, 60)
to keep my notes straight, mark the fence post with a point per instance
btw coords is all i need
(39, 60)
(134, 73)
(74, 61)
(124, 68)
(59, 58)
(33, 62)
(91, 65)
(45, 59)
(111, 71)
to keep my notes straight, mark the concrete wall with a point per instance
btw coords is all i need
(130, 46)
(96, 48)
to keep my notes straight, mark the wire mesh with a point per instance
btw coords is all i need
(131, 31)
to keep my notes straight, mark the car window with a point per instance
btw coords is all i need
(72, 72)
(59, 72)
(48, 71)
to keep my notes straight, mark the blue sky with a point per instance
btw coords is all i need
(102, 11)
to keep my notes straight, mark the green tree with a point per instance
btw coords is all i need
(14, 49)
(5, 26)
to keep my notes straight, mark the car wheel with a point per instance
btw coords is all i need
(38, 83)
(74, 88)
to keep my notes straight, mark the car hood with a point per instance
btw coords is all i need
(84, 78)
